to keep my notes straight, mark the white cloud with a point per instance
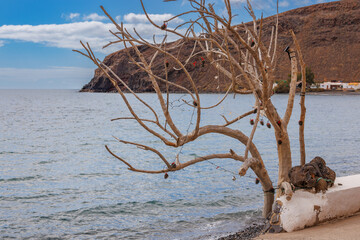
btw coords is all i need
(256, 4)
(157, 18)
(90, 17)
(60, 35)
(68, 35)
(303, 2)
(54, 77)
(2, 43)
(71, 16)
(266, 5)
(118, 18)
(74, 15)
(284, 4)
(94, 17)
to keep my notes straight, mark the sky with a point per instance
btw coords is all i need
(37, 36)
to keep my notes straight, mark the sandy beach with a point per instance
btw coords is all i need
(344, 229)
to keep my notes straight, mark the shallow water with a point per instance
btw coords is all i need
(57, 179)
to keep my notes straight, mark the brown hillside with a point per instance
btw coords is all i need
(329, 35)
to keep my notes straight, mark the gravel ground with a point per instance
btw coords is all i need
(250, 232)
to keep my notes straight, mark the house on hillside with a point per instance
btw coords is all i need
(354, 85)
(351, 86)
(340, 86)
(332, 85)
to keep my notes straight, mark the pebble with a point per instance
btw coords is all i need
(250, 232)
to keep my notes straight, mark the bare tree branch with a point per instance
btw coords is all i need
(147, 148)
(246, 165)
(294, 71)
(302, 101)
(238, 118)
(241, 56)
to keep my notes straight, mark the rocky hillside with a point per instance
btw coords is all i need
(329, 35)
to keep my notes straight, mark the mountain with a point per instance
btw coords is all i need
(328, 33)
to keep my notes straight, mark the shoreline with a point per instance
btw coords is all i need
(332, 93)
(252, 231)
(324, 93)
(341, 228)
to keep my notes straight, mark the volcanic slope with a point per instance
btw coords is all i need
(328, 33)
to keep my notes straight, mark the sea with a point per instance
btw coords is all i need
(57, 181)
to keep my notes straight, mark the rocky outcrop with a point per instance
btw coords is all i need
(328, 33)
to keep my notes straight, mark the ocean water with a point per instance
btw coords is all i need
(58, 181)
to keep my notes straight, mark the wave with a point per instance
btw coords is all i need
(19, 179)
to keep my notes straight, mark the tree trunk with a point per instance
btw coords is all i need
(267, 187)
(284, 154)
(282, 141)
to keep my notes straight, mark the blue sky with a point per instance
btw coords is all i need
(37, 36)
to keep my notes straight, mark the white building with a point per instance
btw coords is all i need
(332, 85)
(340, 86)
(352, 86)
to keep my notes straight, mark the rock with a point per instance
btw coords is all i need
(328, 34)
(313, 175)
(250, 232)
(275, 219)
(326, 172)
(321, 185)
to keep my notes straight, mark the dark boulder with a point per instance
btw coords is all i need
(313, 175)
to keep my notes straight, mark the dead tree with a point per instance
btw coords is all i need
(250, 66)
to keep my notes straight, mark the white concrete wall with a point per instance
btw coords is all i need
(306, 209)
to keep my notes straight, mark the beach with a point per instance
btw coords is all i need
(345, 229)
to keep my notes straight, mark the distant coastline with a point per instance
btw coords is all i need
(332, 93)
(324, 93)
